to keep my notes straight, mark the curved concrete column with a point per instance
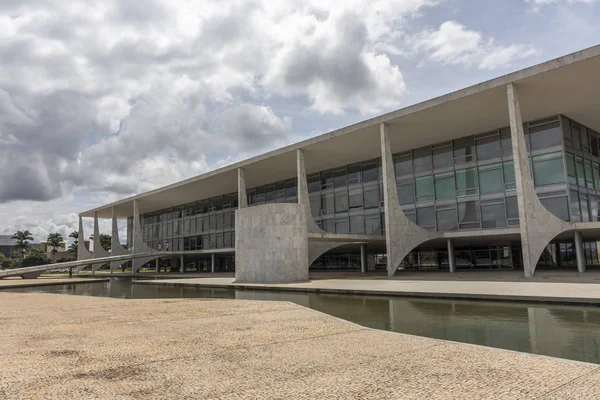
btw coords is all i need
(271, 243)
(401, 234)
(538, 225)
(82, 252)
(98, 249)
(315, 249)
(138, 240)
(116, 249)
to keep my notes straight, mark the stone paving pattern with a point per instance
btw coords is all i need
(526, 291)
(60, 347)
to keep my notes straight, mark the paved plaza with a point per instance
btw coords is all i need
(58, 347)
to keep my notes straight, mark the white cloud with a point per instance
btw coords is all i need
(455, 44)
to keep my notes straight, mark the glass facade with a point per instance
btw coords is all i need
(463, 184)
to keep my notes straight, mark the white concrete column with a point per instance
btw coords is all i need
(579, 253)
(138, 240)
(451, 256)
(181, 261)
(116, 249)
(82, 252)
(242, 194)
(363, 258)
(98, 249)
(401, 234)
(157, 265)
(538, 225)
(213, 262)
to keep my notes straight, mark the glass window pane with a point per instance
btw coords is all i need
(403, 165)
(509, 175)
(589, 175)
(594, 144)
(585, 212)
(342, 226)
(444, 186)
(546, 135)
(370, 172)
(341, 202)
(505, 141)
(468, 212)
(490, 179)
(327, 204)
(372, 224)
(548, 169)
(493, 216)
(339, 178)
(575, 206)
(406, 193)
(371, 197)
(488, 147)
(315, 205)
(355, 198)
(571, 170)
(464, 149)
(593, 207)
(466, 181)
(424, 188)
(357, 224)
(442, 157)
(596, 172)
(422, 159)
(446, 220)
(426, 217)
(512, 207)
(353, 174)
(580, 171)
(557, 206)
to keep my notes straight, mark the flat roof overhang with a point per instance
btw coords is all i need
(568, 85)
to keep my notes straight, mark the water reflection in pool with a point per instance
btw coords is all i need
(553, 330)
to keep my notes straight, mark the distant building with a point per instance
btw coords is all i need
(7, 245)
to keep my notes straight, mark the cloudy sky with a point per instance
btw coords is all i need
(102, 101)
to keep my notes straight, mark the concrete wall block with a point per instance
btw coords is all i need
(271, 243)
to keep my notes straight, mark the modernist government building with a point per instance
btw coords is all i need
(503, 175)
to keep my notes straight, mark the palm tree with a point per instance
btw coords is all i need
(105, 241)
(23, 238)
(55, 240)
(73, 248)
(74, 235)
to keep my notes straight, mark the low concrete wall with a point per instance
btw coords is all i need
(271, 243)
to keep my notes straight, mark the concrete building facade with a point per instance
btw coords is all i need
(501, 175)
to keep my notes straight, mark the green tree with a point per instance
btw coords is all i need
(23, 239)
(74, 235)
(55, 240)
(73, 248)
(34, 258)
(105, 241)
(2, 259)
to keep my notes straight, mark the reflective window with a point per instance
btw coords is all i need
(446, 220)
(505, 141)
(589, 175)
(315, 205)
(596, 173)
(355, 198)
(493, 215)
(327, 204)
(548, 169)
(545, 134)
(468, 215)
(339, 178)
(422, 159)
(444, 186)
(583, 201)
(442, 156)
(490, 179)
(571, 170)
(371, 197)
(580, 171)
(575, 206)
(341, 202)
(509, 175)
(328, 225)
(357, 224)
(593, 207)
(342, 225)
(370, 172)
(426, 217)
(464, 149)
(403, 164)
(488, 146)
(406, 192)
(424, 188)
(466, 181)
(326, 180)
(512, 210)
(372, 224)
